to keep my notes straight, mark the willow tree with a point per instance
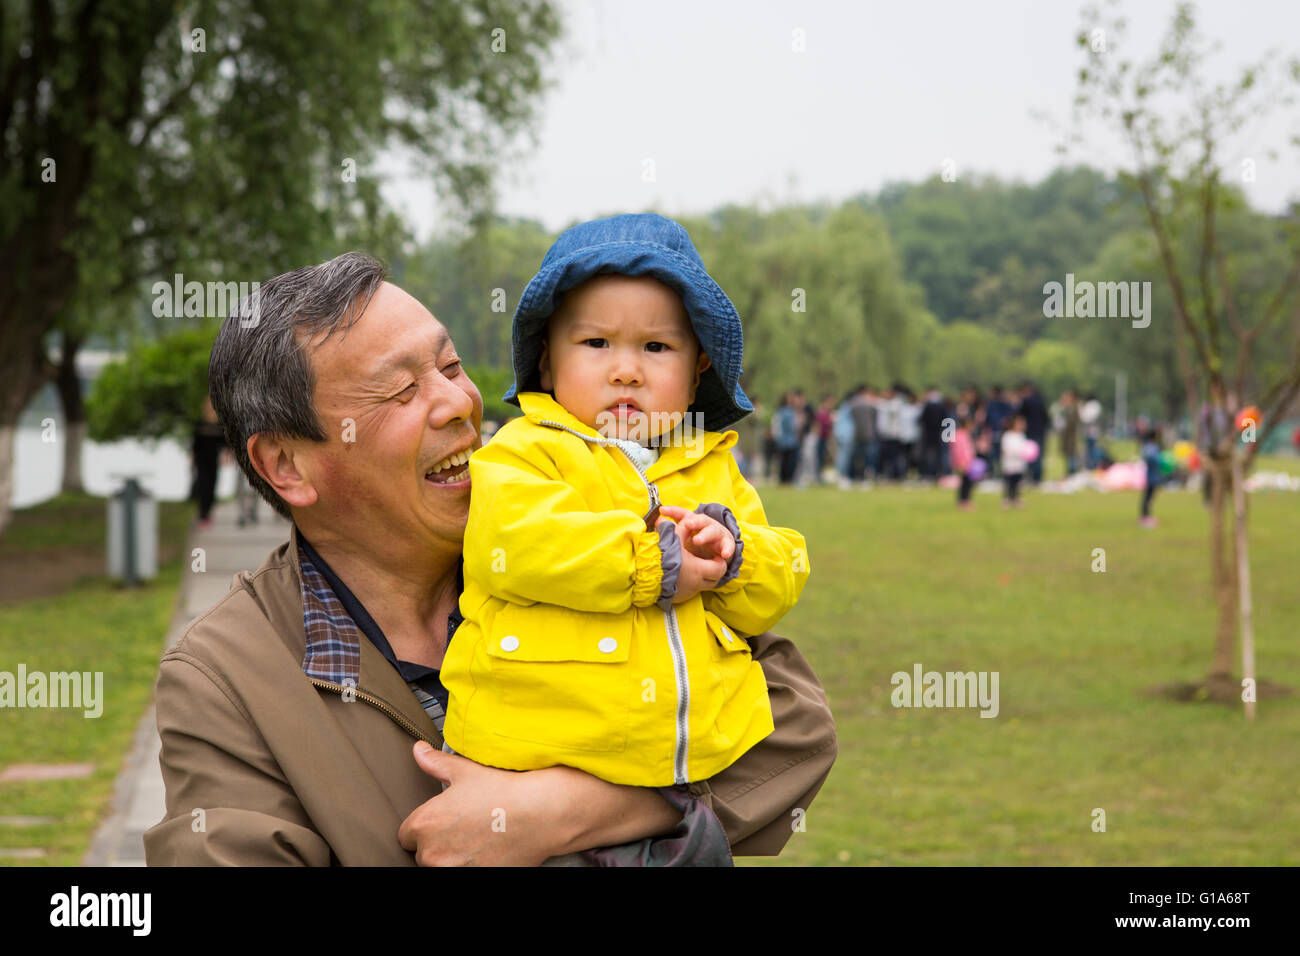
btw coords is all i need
(229, 139)
(1181, 132)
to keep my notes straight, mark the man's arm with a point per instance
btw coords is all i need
(559, 810)
(212, 790)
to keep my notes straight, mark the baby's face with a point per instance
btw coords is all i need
(620, 355)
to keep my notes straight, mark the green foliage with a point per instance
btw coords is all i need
(156, 391)
(492, 383)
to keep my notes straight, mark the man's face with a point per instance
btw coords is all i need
(621, 339)
(394, 402)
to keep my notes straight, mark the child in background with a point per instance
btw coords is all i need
(963, 462)
(604, 630)
(1150, 438)
(1014, 457)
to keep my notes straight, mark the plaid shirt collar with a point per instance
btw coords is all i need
(333, 638)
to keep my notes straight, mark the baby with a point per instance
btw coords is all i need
(615, 558)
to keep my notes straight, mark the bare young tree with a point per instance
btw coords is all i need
(1179, 128)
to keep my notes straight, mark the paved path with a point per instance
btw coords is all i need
(138, 798)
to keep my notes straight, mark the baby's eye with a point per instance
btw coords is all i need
(652, 348)
(589, 341)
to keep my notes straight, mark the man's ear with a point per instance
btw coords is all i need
(274, 460)
(544, 368)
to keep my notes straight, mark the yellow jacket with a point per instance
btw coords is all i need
(564, 656)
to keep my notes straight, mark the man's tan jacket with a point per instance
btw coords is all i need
(266, 766)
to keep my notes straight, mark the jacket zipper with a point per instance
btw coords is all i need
(670, 620)
(401, 721)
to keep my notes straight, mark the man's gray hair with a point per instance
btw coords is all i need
(259, 375)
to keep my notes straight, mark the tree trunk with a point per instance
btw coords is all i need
(22, 373)
(1240, 517)
(74, 414)
(1222, 573)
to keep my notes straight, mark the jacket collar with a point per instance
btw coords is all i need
(540, 408)
(337, 652)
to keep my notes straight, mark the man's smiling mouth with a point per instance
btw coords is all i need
(450, 470)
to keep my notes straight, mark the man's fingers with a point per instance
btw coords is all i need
(434, 762)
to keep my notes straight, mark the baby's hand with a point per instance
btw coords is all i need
(701, 535)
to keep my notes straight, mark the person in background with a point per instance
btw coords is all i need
(768, 427)
(996, 412)
(1034, 411)
(844, 438)
(1090, 420)
(786, 428)
(748, 445)
(209, 442)
(889, 428)
(865, 462)
(1013, 462)
(933, 414)
(909, 439)
(825, 422)
(963, 462)
(1150, 439)
(1068, 428)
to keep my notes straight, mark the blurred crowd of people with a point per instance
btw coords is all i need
(893, 434)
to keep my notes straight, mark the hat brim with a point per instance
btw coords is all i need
(712, 314)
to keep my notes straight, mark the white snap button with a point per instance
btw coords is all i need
(509, 643)
(726, 633)
(607, 645)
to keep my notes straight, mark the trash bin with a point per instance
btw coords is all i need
(132, 534)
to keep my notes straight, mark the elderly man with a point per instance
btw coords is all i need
(300, 717)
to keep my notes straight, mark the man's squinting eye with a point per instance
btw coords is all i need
(452, 370)
(406, 391)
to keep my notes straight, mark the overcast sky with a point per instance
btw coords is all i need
(712, 92)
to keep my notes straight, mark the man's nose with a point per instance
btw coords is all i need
(451, 404)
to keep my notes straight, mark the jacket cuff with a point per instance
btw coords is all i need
(698, 840)
(670, 557)
(648, 578)
(722, 514)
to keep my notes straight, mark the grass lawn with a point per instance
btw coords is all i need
(90, 624)
(900, 577)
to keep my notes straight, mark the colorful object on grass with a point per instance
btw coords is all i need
(1031, 450)
(977, 470)
(1248, 416)
(1168, 464)
(1125, 476)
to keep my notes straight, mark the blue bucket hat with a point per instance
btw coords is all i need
(637, 245)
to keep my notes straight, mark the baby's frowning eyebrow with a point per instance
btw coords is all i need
(587, 328)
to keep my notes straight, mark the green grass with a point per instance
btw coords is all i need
(900, 577)
(94, 625)
(78, 521)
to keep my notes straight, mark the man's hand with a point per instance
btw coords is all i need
(491, 817)
(484, 817)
